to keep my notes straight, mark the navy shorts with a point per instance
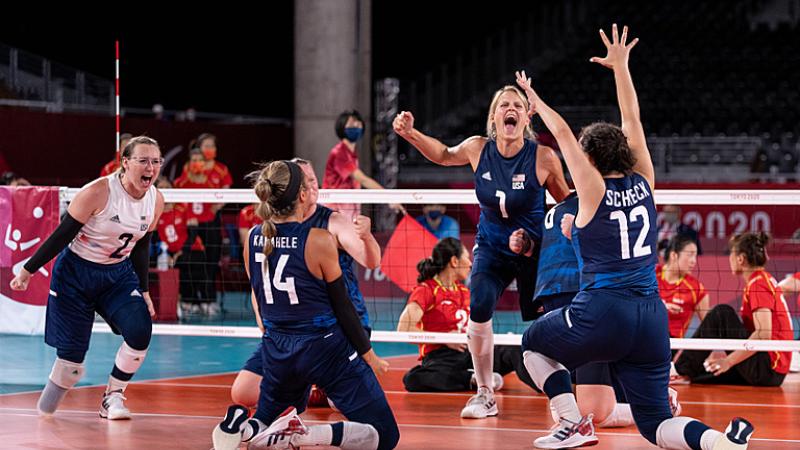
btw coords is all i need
(492, 272)
(292, 363)
(255, 365)
(627, 331)
(78, 289)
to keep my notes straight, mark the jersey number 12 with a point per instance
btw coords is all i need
(639, 249)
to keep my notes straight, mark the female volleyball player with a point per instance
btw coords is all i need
(617, 317)
(511, 174)
(682, 293)
(440, 303)
(312, 332)
(764, 315)
(103, 270)
(354, 238)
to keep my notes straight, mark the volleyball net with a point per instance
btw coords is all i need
(198, 296)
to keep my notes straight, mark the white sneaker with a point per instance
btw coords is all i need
(280, 434)
(569, 435)
(227, 435)
(497, 381)
(113, 407)
(673, 402)
(480, 405)
(736, 436)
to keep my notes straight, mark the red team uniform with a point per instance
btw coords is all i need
(686, 293)
(762, 291)
(445, 310)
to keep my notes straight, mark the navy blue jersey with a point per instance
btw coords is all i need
(291, 299)
(617, 248)
(509, 194)
(320, 219)
(558, 266)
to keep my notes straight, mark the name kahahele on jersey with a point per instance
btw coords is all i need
(277, 241)
(109, 236)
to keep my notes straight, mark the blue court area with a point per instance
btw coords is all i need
(25, 361)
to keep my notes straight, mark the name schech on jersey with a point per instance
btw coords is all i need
(628, 197)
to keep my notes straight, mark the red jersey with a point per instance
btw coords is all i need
(248, 218)
(172, 230)
(201, 211)
(218, 175)
(762, 291)
(339, 168)
(444, 310)
(110, 167)
(686, 293)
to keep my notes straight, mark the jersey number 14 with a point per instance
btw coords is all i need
(285, 286)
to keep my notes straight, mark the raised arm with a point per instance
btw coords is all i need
(553, 174)
(467, 152)
(617, 60)
(588, 181)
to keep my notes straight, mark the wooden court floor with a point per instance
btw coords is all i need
(180, 414)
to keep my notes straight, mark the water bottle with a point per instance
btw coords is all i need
(162, 262)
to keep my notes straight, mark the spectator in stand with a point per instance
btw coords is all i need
(219, 177)
(208, 230)
(10, 178)
(682, 293)
(341, 170)
(247, 219)
(672, 226)
(113, 165)
(172, 225)
(433, 218)
(764, 316)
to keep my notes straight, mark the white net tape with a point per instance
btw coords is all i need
(467, 196)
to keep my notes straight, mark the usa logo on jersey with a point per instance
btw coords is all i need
(518, 181)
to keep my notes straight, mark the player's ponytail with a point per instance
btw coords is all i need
(443, 252)
(277, 186)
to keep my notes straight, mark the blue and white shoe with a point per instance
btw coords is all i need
(568, 434)
(736, 436)
(227, 435)
(480, 405)
(281, 433)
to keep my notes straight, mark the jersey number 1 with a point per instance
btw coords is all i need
(502, 196)
(639, 249)
(285, 286)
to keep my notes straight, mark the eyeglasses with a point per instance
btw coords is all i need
(156, 162)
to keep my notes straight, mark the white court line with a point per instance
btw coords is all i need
(499, 395)
(33, 412)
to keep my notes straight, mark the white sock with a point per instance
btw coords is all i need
(115, 384)
(480, 341)
(621, 416)
(566, 407)
(359, 436)
(317, 435)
